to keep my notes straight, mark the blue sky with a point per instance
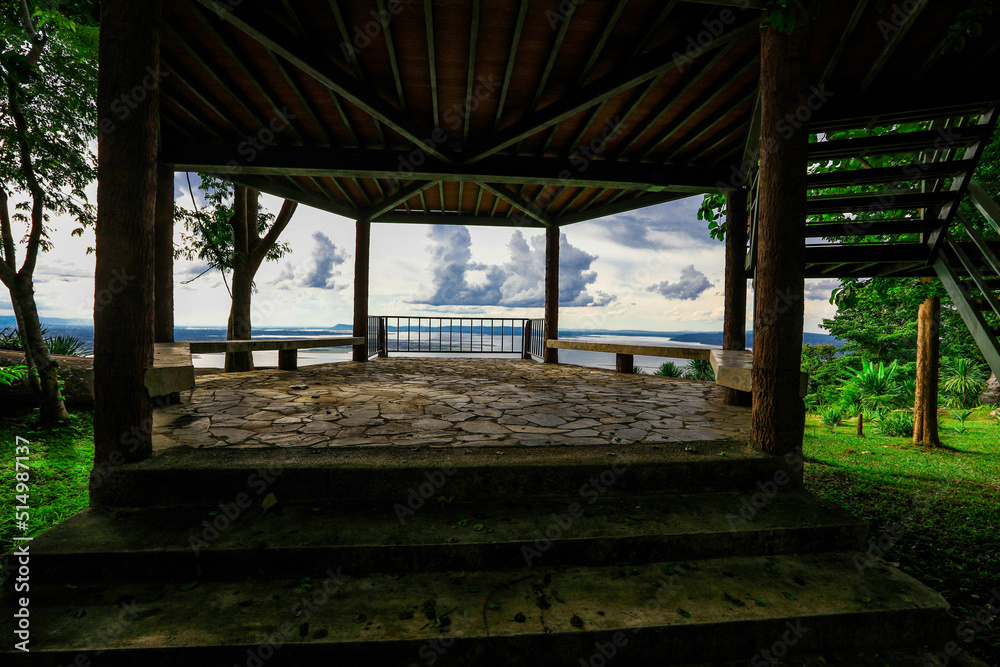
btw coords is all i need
(654, 269)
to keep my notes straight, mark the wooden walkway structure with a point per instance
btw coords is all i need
(541, 113)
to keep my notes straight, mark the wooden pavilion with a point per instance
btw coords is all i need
(542, 113)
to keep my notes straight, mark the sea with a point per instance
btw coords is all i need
(695, 339)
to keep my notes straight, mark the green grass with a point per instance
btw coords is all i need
(937, 510)
(59, 463)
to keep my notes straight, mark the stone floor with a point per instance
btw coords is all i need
(444, 402)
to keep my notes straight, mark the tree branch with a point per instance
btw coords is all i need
(280, 222)
(38, 40)
(8, 267)
(37, 194)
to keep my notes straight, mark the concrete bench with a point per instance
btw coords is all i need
(625, 354)
(172, 371)
(287, 348)
(732, 369)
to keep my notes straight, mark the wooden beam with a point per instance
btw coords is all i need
(441, 219)
(621, 206)
(514, 199)
(656, 62)
(892, 42)
(432, 59)
(395, 166)
(734, 328)
(386, 20)
(362, 252)
(511, 58)
(778, 416)
(291, 192)
(551, 354)
(275, 38)
(163, 257)
(470, 70)
(845, 37)
(397, 198)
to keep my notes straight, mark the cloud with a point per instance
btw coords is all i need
(325, 258)
(47, 272)
(518, 283)
(820, 290)
(671, 225)
(689, 287)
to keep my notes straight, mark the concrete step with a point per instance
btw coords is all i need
(362, 475)
(240, 538)
(747, 608)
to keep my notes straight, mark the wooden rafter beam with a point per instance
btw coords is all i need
(891, 44)
(287, 191)
(394, 166)
(511, 58)
(619, 206)
(396, 198)
(470, 74)
(514, 199)
(845, 37)
(655, 63)
(441, 219)
(285, 44)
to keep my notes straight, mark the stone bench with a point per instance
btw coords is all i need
(625, 354)
(172, 371)
(732, 369)
(287, 347)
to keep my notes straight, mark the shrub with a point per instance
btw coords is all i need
(898, 423)
(964, 380)
(67, 345)
(832, 418)
(700, 369)
(961, 416)
(669, 369)
(11, 374)
(637, 370)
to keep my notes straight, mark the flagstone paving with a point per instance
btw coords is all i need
(444, 402)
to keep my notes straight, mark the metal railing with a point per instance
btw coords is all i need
(455, 335)
(535, 330)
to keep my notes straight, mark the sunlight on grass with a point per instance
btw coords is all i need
(59, 462)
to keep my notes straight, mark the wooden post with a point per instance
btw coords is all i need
(129, 50)
(163, 254)
(551, 355)
(288, 360)
(526, 340)
(383, 339)
(925, 425)
(778, 419)
(361, 255)
(734, 330)
(624, 363)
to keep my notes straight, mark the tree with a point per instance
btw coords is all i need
(235, 234)
(48, 118)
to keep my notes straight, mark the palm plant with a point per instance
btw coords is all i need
(832, 418)
(700, 369)
(875, 389)
(964, 381)
(669, 369)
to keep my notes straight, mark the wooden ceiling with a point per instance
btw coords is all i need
(528, 112)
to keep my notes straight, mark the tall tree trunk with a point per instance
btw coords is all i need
(126, 202)
(362, 271)
(925, 405)
(778, 419)
(163, 318)
(52, 409)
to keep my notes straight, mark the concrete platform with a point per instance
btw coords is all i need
(445, 402)
(660, 613)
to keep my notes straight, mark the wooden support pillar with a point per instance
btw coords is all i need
(362, 248)
(163, 256)
(129, 49)
(624, 363)
(925, 425)
(551, 355)
(288, 360)
(734, 330)
(778, 419)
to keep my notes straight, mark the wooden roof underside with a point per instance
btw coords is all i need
(524, 112)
